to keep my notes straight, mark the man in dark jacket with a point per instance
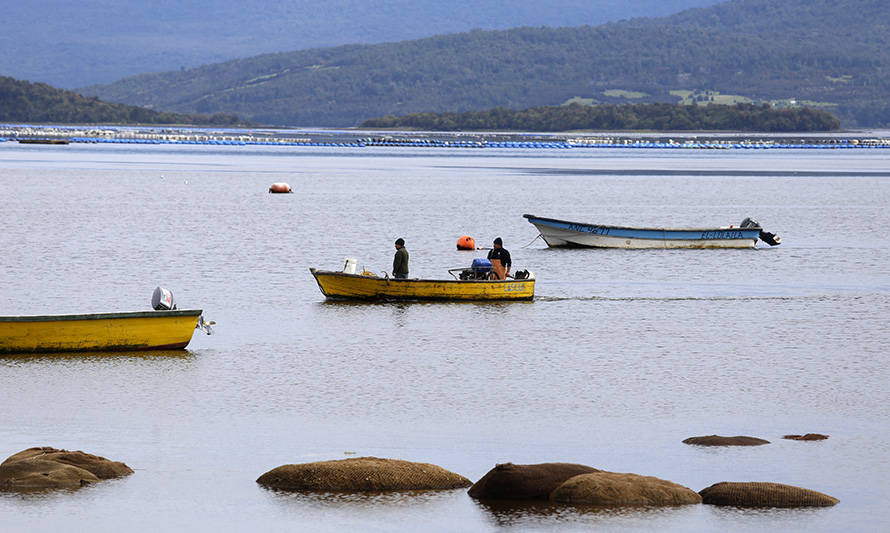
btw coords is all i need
(500, 260)
(400, 261)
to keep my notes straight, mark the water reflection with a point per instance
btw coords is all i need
(365, 500)
(513, 513)
(97, 355)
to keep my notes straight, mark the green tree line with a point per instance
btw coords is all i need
(658, 117)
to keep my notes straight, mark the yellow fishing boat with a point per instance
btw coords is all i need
(141, 330)
(342, 285)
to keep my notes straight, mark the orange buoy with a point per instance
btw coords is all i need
(466, 243)
(279, 187)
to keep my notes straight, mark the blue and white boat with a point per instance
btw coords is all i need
(557, 232)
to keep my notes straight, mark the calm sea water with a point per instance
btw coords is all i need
(621, 356)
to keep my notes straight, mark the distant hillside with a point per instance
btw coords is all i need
(653, 117)
(818, 53)
(22, 101)
(72, 44)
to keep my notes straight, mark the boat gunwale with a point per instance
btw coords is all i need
(315, 273)
(640, 228)
(103, 316)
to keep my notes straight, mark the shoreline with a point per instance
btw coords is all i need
(37, 134)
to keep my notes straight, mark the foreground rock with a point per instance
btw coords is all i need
(49, 468)
(614, 489)
(763, 494)
(717, 440)
(525, 482)
(361, 474)
(808, 436)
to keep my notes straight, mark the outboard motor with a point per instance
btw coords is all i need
(481, 267)
(770, 238)
(162, 300)
(478, 270)
(749, 223)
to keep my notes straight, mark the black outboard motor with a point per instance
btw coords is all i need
(749, 223)
(770, 238)
(162, 300)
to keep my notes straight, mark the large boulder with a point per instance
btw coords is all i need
(614, 489)
(525, 482)
(717, 440)
(764, 494)
(361, 474)
(48, 468)
(101, 467)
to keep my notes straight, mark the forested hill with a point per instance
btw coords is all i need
(72, 44)
(841, 23)
(812, 52)
(22, 101)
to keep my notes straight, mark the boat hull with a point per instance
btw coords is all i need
(150, 330)
(339, 285)
(558, 233)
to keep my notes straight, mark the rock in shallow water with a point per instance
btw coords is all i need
(49, 468)
(717, 440)
(525, 482)
(616, 489)
(808, 436)
(361, 474)
(764, 494)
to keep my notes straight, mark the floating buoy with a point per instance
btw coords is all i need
(280, 187)
(466, 243)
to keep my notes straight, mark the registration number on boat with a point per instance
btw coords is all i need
(722, 235)
(514, 287)
(583, 228)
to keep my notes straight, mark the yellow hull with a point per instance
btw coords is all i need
(353, 286)
(148, 330)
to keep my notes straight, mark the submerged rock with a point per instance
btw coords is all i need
(717, 440)
(764, 494)
(525, 482)
(615, 489)
(808, 436)
(49, 468)
(361, 474)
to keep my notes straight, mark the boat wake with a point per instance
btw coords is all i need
(682, 298)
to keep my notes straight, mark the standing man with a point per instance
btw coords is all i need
(500, 260)
(400, 261)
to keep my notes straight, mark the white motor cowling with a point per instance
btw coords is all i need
(162, 299)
